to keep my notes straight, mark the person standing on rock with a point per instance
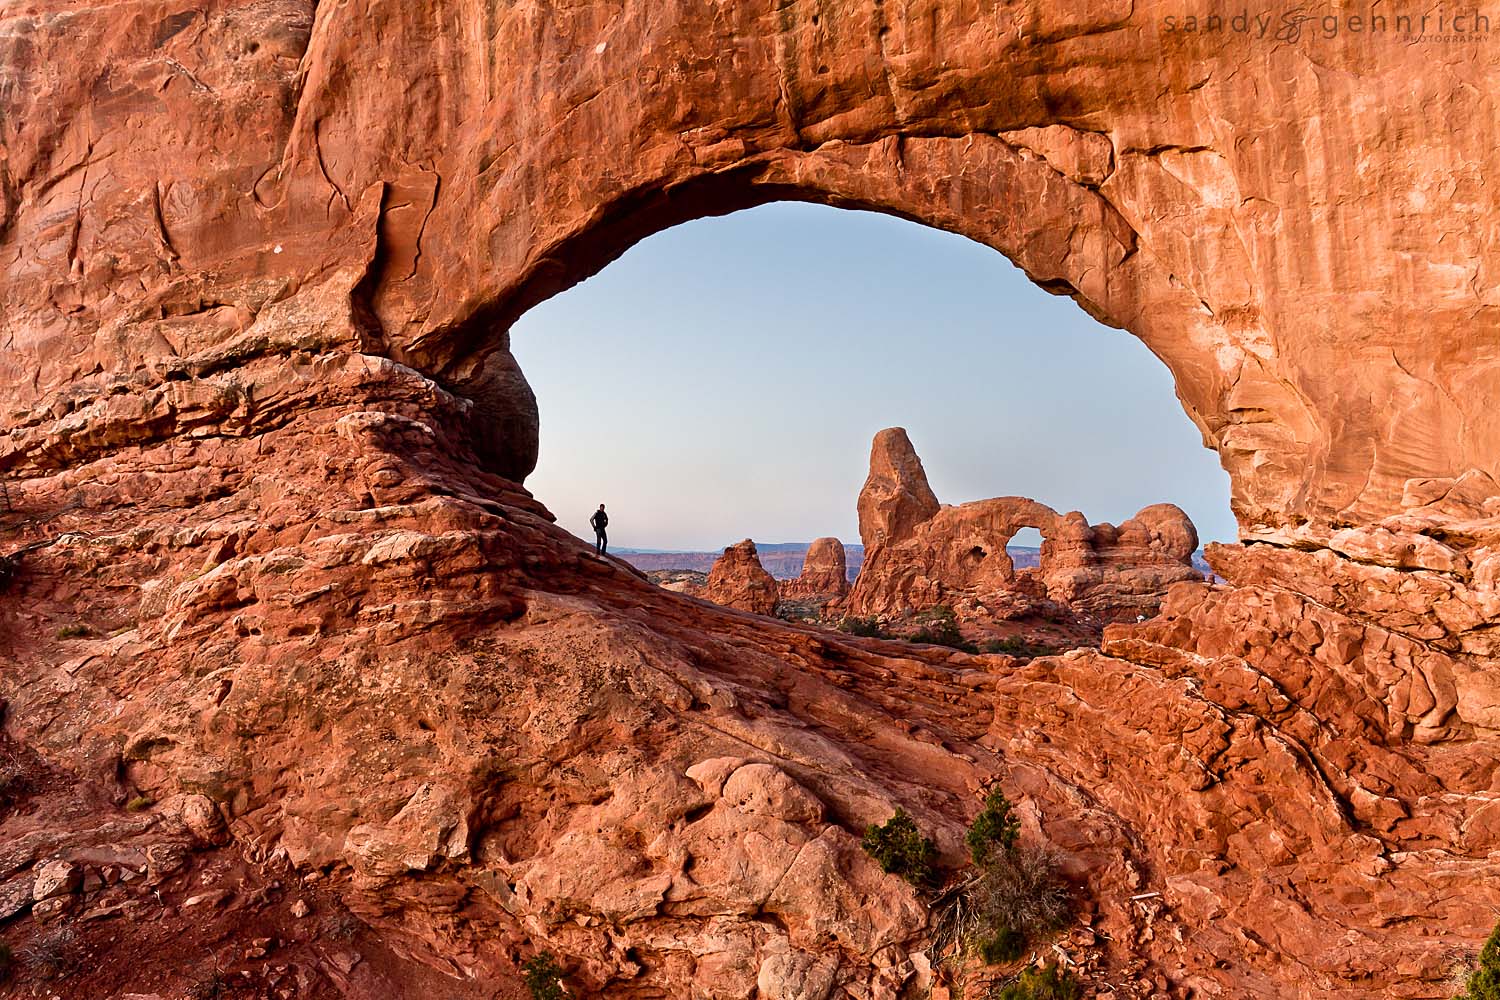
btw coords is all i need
(600, 521)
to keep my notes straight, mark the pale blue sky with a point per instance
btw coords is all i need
(723, 380)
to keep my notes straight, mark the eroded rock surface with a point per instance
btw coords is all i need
(258, 417)
(493, 743)
(919, 553)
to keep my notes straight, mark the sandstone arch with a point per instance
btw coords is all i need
(919, 553)
(511, 151)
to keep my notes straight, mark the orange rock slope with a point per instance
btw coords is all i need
(264, 441)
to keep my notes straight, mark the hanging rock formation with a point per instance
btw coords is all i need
(738, 580)
(919, 554)
(825, 573)
(264, 439)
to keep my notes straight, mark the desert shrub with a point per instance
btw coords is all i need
(1004, 945)
(1461, 965)
(139, 803)
(77, 630)
(211, 986)
(1047, 983)
(53, 954)
(953, 639)
(899, 848)
(13, 779)
(490, 771)
(1014, 645)
(994, 829)
(1013, 894)
(868, 628)
(544, 977)
(1484, 981)
(1020, 890)
(940, 628)
(341, 925)
(801, 611)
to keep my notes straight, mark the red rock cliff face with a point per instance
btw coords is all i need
(265, 442)
(249, 176)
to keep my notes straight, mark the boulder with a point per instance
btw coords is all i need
(796, 975)
(198, 815)
(430, 827)
(54, 878)
(767, 790)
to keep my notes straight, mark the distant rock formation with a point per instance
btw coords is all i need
(895, 497)
(919, 554)
(738, 580)
(825, 573)
(782, 560)
(1122, 572)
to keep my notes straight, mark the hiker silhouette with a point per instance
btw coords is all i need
(599, 522)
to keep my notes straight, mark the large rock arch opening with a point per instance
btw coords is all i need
(872, 179)
(663, 361)
(1008, 197)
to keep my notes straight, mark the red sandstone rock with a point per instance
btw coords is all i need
(256, 403)
(895, 497)
(1120, 572)
(825, 574)
(1246, 729)
(738, 580)
(920, 554)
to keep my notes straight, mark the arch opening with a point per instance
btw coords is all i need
(999, 193)
(673, 366)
